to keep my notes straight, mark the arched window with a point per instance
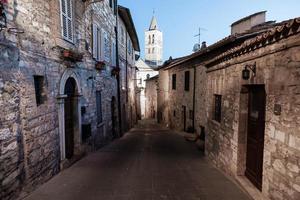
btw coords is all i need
(149, 39)
(153, 50)
(153, 38)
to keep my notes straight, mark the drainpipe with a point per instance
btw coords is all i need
(118, 65)
(194, 98)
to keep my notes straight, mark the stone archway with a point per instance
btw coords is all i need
(69, 114)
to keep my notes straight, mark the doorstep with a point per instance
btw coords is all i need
(250, 188)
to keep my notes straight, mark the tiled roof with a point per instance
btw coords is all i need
(260, 35)
(281, 31)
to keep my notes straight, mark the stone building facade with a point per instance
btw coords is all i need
(249, 110)
(181, 99)
(144, 71)
(147, 67)
(58, 88)
(151, 97)
(128, 46)
(257, 134)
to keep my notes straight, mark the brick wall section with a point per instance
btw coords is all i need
(278, 69)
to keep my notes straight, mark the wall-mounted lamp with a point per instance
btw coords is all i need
(3, 20)
(246, 71)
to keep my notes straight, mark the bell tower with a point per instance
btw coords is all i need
(153, 45)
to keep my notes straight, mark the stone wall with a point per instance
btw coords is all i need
(179, 98)
(278, 71)
(127, 78)
(31, 135)
(163, 97)
(151, 98)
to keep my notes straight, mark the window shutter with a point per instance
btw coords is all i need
(95, 40)
(67, 19)
(102, 46)
(99, 43)
(113, 52)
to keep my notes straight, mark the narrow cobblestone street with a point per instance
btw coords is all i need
(147, 163)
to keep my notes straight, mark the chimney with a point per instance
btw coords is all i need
(203, 46)
(248, 22)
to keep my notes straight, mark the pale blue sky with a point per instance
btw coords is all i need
(180, 19)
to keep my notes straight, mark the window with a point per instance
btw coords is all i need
(149, 39)
(115, 7)
(153, 38)
(99, 107)
(148, 76)
(174, 113)
(218, 108)
(106, 47)
(174, 81)
(39, 89)
(122, 35)
(113, 52)
(187, 81)
(66, 10)
(153, 50)
(129, 48)
(149, 50)
(96, 37)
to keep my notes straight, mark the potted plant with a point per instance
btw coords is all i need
(115, 71)
(71, 55)
(100, 65)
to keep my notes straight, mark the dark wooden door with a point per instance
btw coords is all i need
(255, 137)
(113, 117)
(184, 117)
(69, 118)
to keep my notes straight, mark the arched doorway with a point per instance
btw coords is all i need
(70, 108)
(69, 115)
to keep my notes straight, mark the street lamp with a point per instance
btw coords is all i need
(246, 71)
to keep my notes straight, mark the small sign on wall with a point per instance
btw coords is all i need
(277, 109)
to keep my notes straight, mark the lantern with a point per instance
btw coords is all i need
(246, 72)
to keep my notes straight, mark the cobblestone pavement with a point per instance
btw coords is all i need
(147, 163)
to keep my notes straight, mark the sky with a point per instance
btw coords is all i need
(179, 20)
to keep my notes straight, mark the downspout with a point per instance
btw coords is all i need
(118, 66)
(194, 98)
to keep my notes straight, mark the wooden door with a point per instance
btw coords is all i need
(184, 117)
(255, 136)
(69, 118)
(113, 117)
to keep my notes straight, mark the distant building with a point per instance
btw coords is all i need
(153, 45)
(151, 97)
(153, 59)
(144, 72)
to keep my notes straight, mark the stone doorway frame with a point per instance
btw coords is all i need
(243, 129)
(69, 73)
